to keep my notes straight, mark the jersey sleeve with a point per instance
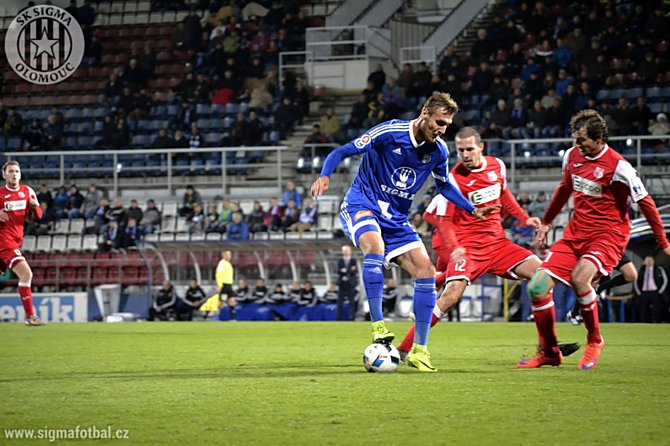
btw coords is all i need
(625, 173)
(37, 211)
(562, 192)
(503, 173)
(358, 146)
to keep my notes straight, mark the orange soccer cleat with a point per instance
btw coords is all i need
(540, 359)
(592, 354)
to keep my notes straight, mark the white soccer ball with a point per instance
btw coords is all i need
(381, 358)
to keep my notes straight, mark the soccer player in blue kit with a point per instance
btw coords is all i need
(398, 157)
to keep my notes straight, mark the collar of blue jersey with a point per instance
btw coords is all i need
(602, 152)
(482, 167)
(411, 134)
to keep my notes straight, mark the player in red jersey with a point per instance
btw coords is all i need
(596, 236)
(466, 246)
(16, 200)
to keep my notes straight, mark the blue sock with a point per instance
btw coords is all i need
(424, 302)
(373, 280)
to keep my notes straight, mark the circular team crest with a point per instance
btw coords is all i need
(403, 178)
(44, 45)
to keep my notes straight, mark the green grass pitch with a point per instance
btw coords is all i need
(304, 384)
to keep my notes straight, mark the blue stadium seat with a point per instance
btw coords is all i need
(218, 110)
(86, 142)
(160, 111)
(231, 108)
(202, 110)
(602, 95)
(172, 110)
(86, 127)
(635, 92)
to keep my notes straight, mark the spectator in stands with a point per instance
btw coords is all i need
(291, 215)
(274, 215)
(389, 297)
(254, 130)
(642, 116)
(113, 88)
(518, 120)
(75, 203)
(502, 119)
(331, 124)
(93, 51)
(180, 141)
(237, 229)
(186, 115)
(660, 128)
(197, 220)
(539, 205)
(523, 199)
(122, 135)
(133, 75)
(237, 133)
(33, 137)
(13, 124)
(164, 305)
(291, 193)
(53, 133)
(195, 296)
(91, 202)
(86, 14)
(134, 211)
(132, 235)
(537, 120)
(376, 111)
(100, 218)
(261, 99)
(146, 61)
(111, 237)
(117, 212)
(195, 139)
(44, 195)
(301, 99)
(421, 81)
(316, 137)
(286, 115)
(188, 200)
(61, 201)
(151, 220)
(359, 112)
(393, 98)
(212, 215)
(108, 133)
(45, 224)
(420, 226)
(309, 217)
(162, 141)
(256, 218)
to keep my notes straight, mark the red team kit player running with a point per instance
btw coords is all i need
(594, 240)
(16, 200)
(468, 247)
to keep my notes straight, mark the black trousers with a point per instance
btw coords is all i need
(346, 292)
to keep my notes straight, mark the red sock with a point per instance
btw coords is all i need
(26, 299)
(545, 321)
(408, 341)
(589, 307)
(439, 279)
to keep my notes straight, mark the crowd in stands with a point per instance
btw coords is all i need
(229, 52)
(531, 70)
(121, 227)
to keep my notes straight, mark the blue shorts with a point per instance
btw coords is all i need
(399, 237)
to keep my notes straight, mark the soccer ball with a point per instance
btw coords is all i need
(381, 358)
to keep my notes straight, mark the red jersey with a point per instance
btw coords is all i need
(15, 203)
(483, 186)
(602, 185)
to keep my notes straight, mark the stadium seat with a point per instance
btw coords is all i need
(43, 243)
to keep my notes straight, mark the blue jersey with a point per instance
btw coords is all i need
(393, 169)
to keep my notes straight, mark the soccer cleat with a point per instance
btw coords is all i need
(381, 334)
(34, 321)
(574, 320)
(568, 349)
(403, 355)
(419, 358)
(591, 355)
(541, 359)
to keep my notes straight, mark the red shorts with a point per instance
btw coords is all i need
(499, 259)
(604, 253)
(9, 258)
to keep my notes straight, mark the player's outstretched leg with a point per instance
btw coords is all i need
(542, 303)
(25, 275)
(373, 280)
(424, 303)
(573, 316)
(595, 342)
(408, 341)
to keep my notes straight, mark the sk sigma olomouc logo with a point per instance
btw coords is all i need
(44, 45)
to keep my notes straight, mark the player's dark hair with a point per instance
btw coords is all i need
(438, 101)
(469, 132)
(591, 120)
(10, 163)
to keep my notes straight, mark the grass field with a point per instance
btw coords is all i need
(304, 384)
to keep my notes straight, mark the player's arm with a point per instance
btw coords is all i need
(333, 160)
(509, 202)
(34, 205)
(559, 198)
(625, 173)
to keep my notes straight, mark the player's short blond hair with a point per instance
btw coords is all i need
(595, 125)
(441, 101)
(10, 163)
(469, 132)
